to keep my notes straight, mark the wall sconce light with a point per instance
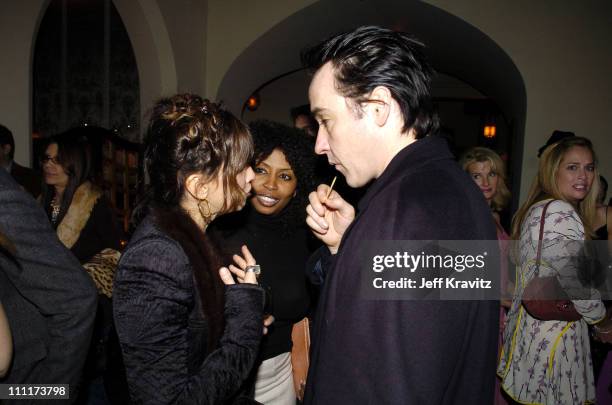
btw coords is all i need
(253, 102)
(490, 131)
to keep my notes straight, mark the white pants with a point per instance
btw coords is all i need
(274, 383)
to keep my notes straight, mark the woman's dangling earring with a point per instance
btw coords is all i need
(205, 210)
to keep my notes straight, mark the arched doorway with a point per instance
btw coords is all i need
(456, 49)
(84, 70)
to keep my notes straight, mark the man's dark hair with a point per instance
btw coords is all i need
(6, 138)
(372, 56)
(554, 138)
(304, 111)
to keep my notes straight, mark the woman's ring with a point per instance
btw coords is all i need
(253, 269)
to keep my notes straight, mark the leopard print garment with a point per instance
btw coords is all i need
(102, 268)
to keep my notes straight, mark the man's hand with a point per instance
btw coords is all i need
(328, 218)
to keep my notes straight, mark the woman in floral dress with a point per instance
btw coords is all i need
(549, 362)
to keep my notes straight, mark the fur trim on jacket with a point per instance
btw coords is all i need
(83, 201)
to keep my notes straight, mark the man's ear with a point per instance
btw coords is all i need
(197, 186)
(380, 107)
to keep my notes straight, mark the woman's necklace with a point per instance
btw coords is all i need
(55, 210)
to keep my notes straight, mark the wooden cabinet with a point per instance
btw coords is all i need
(121, 171)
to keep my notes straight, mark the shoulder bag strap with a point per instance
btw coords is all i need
(542, 219)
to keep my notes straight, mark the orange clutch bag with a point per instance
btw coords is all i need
(300, 336)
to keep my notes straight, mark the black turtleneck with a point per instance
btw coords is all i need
(282, 255)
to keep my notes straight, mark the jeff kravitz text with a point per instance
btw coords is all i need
(411, 263)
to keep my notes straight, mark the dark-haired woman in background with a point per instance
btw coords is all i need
(186, 337)
(85, 223)
(603, 223)
(602, 356)
(274, 229)
(82, 216)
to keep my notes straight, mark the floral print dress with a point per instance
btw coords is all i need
(549, 362)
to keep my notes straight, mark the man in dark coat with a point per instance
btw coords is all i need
(370, 95)
(26, 177)
(50, 301)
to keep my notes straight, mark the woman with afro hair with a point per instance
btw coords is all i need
(273, 227)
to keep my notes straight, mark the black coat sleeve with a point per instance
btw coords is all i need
(50, 279)
(318, 264)
(153, 297)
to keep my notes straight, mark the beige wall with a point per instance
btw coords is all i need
(186, 23)
(155, 58)
(562, 49)
(169, 42)
(233, 25)
(18, 21)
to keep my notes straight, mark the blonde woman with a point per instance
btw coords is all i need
(549, 361)
(487, 170)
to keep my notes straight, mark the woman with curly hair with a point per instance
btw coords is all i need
(188, 333)
(274, 229)
(85, 223)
